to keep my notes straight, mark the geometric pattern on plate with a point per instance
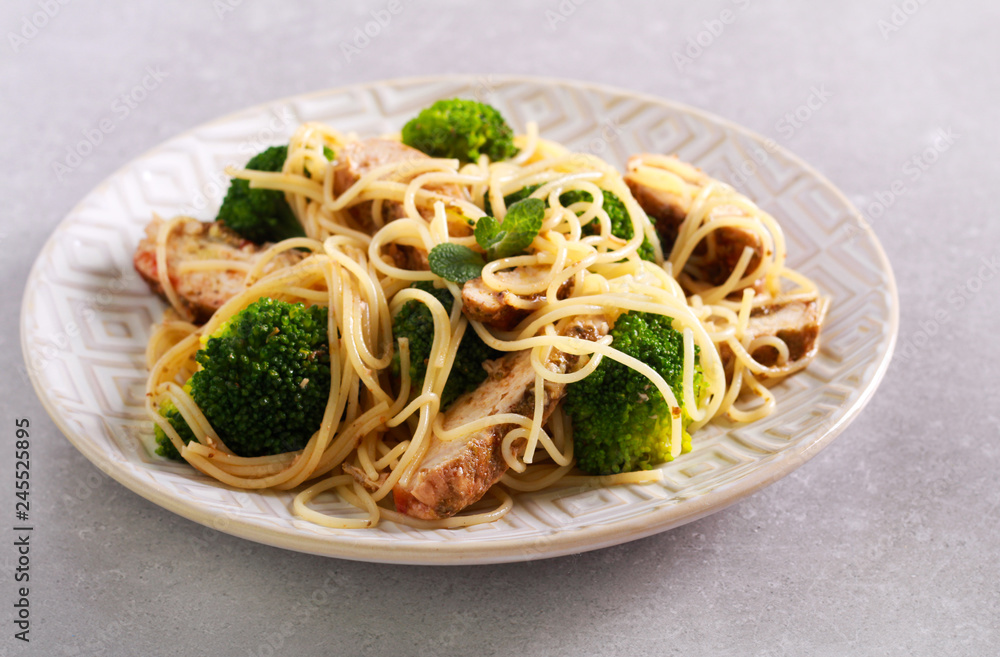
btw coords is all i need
(87, 316)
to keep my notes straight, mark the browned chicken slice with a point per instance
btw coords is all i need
(669, 208)
(796, 323)
(203, 292)
(456, 473)
(357, 158)
(503, 309)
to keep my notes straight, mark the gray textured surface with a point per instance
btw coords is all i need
(884, 544)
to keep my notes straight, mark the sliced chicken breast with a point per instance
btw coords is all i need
(720, 251)
(356, 159)
(503, 309)
(203, 292)
(796, 323)
(456, 473)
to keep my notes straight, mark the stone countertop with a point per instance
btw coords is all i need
(886, 543)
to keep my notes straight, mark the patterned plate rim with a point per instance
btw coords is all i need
(562, 541)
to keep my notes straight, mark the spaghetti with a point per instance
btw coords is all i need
(377, 428)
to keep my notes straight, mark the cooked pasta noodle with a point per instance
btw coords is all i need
(380, 427)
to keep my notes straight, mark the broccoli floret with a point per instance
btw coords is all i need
(461, 129)
(265, 377)
(414, 321)
(621, 221)
(621, 422)
(260, 215)
(165, 447)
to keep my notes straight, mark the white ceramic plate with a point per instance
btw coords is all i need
(86, 318)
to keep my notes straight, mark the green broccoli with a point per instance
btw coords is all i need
(621, 422)
(461, 129)
(414, 321)
(165, 447)
(621, 221)
(265, 377)
(260, 215)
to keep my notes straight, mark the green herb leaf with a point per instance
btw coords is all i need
(328, 153)
(621, 222)
(455, 263)
(515, 233)
(488, 232)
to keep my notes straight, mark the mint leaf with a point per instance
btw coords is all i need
(455, 263)
(515, 233)
(458, 264)
(488, 232)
